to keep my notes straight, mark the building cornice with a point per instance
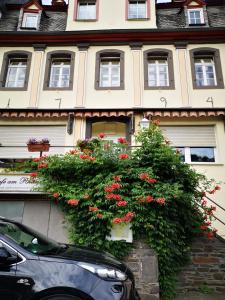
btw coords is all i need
(111, 112)
(115, 36)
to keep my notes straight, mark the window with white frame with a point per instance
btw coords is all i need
(137, 9)
(197, 154)
(205, 71)
(59, 73)
(86, 10)
(196, 16)
(195, 144)
(30, 20)
(158, 74)
(110, 72)
(16, 72)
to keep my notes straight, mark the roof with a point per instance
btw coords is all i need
(169, 16)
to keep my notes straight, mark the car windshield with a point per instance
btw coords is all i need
(29, 239)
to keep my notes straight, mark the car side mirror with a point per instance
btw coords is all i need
(6, 258)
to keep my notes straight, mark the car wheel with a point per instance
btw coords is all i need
(61, 297)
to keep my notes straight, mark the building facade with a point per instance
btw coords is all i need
(69, 72)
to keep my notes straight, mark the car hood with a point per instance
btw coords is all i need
(82, 254)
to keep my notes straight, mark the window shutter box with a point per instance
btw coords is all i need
(190, 136)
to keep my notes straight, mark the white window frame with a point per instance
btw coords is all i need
(61, 65)
(86, 3)
(202, 19)
(137, 10)
(18, 68)
(204, 66)
(109, 66)
(187, 155)
(27, 15)
(157, 66)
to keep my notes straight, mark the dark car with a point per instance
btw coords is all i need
(33, 267)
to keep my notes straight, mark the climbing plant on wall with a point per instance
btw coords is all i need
(147, 186)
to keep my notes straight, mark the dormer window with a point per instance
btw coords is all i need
(196, 16)
(30, 20)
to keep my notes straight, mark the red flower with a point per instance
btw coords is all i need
(91, 208)
(116, 177)
(204, 202)
(144, 176)
(149, 199)
(203, 194)
(101, 135)
(55, 195)
(217, 188)
(73, 202)
(36, 159)
(156, 122)
(99, 216)
(34, 174)
(73, 152)
(116, 185)
(122, 203)
(130, 214)
(42, 165)
(85, 156)
(117, 220)
(114, 196)
(122, 140)
(161, 201)
(212, 192)
(151, 180)
(123, 156)
(210, 235)
(203, 227)
(108, 189)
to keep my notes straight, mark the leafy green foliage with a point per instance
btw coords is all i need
(149, 186)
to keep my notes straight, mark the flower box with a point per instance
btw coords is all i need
(39, 147)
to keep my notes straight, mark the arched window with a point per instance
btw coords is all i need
(109, 73)
(206, 68)
(158, 69)
(15, 70)
(59, 70)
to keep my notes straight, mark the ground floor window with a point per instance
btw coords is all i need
(197, 154)
(196, 144)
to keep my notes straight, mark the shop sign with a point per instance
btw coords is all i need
(16, 183)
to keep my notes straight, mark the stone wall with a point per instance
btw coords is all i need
(206, 271)
(144, 264)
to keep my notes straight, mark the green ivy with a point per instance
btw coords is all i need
(148, 186)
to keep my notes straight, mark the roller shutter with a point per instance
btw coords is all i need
(19, 135)
(190, 136)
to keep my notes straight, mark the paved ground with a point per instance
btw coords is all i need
(199, 296)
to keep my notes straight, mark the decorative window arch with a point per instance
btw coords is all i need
(158, 69)
(15, 70)
(59, 70)
(109, 70)
(206, 68)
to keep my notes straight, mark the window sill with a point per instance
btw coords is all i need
(138, 19)
(205, 163)
(16, 89)
(199, 24)
(86, 20)
(210, 87)
(109, 88)
(28, 28)
(58, 89)
(160, 88)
